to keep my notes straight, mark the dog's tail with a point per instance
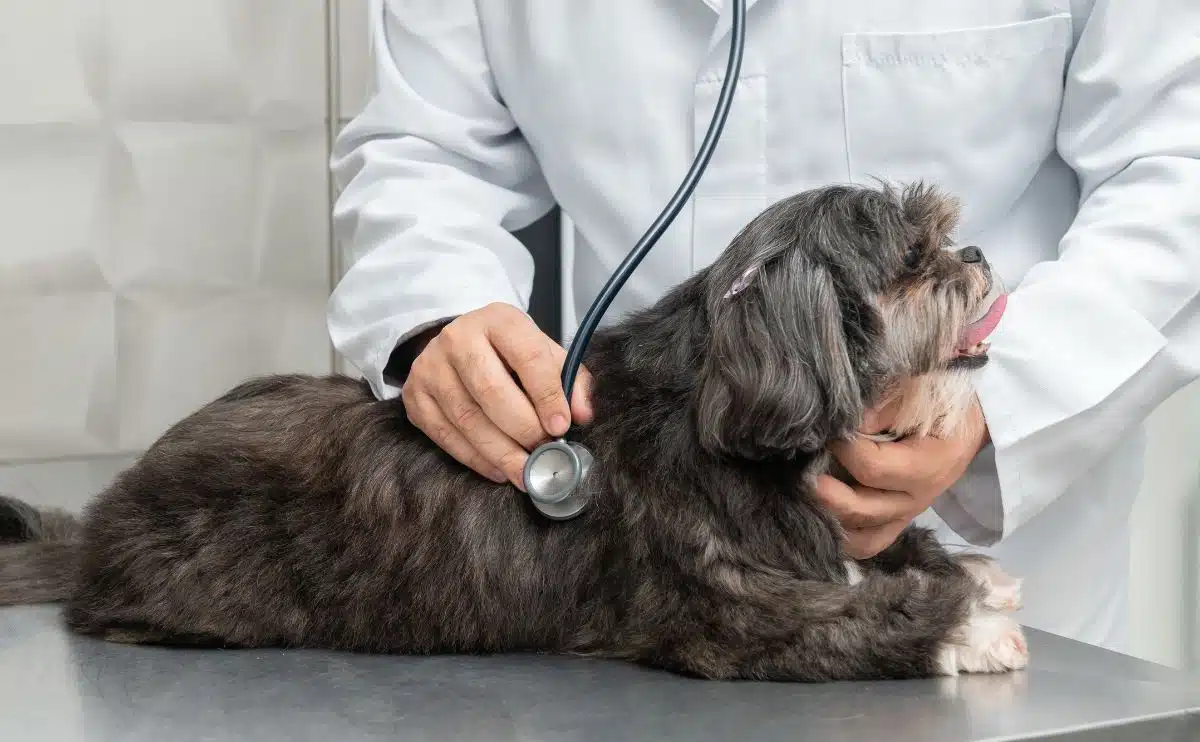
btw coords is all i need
(38, 552)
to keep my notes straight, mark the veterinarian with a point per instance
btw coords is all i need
(1068, 129)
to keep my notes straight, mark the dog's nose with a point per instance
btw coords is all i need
(971, 254)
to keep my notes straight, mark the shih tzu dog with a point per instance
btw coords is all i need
(301, 512)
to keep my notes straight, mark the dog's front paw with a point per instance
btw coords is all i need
(988, 642)
(1002, 592)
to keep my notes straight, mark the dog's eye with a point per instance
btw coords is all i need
(912, 258)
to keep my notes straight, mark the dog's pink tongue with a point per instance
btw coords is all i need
(978, 331)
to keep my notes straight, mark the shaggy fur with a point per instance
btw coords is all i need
(301, 512)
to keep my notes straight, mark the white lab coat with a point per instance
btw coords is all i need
(1070, 130)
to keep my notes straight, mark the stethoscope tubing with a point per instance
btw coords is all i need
(555, 493)
(716, 127)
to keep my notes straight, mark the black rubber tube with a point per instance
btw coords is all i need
(605, 298)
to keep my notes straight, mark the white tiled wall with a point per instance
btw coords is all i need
(164, 211)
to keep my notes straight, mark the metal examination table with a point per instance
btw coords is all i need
(59, 687)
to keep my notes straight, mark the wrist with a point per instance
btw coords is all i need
(403, 355)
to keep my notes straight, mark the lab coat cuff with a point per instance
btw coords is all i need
(403, 328)
(974, 507)
(388, 382)
(368, 346)
(1048, 365)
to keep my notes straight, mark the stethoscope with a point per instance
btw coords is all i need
(555, 471)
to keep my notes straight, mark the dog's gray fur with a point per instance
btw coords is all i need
(301, 512)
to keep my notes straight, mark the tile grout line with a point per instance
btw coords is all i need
(332, 118)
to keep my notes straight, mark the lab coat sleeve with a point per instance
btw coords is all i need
(1093, 341)
(434, 176)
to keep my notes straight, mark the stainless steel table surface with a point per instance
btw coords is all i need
(59, 687)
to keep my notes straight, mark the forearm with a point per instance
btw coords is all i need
(434, 178)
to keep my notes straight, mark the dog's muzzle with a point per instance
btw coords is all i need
(973, 340)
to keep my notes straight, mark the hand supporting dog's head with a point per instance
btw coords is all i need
(832, 300)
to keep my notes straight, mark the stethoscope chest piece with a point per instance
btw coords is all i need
(553, 475)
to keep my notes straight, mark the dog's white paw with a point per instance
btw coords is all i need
(1002, 592)
(989, 642)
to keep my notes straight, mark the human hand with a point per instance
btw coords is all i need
(897, 481)
(461, 393)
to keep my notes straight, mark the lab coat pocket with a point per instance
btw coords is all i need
(733, 189)
(717, 220)
(973, 110)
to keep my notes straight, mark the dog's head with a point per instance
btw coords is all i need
(832, 300)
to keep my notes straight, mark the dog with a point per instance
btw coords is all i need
(302, 512)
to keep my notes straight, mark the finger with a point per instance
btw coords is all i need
(882, 418)
(864, 543)
(494, 391)
(861, 507)
(581, 397)
(424, 412)
(465, 414)
(537, 361)
(900, 466)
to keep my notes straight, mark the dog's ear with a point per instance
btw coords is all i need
(781, 375)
